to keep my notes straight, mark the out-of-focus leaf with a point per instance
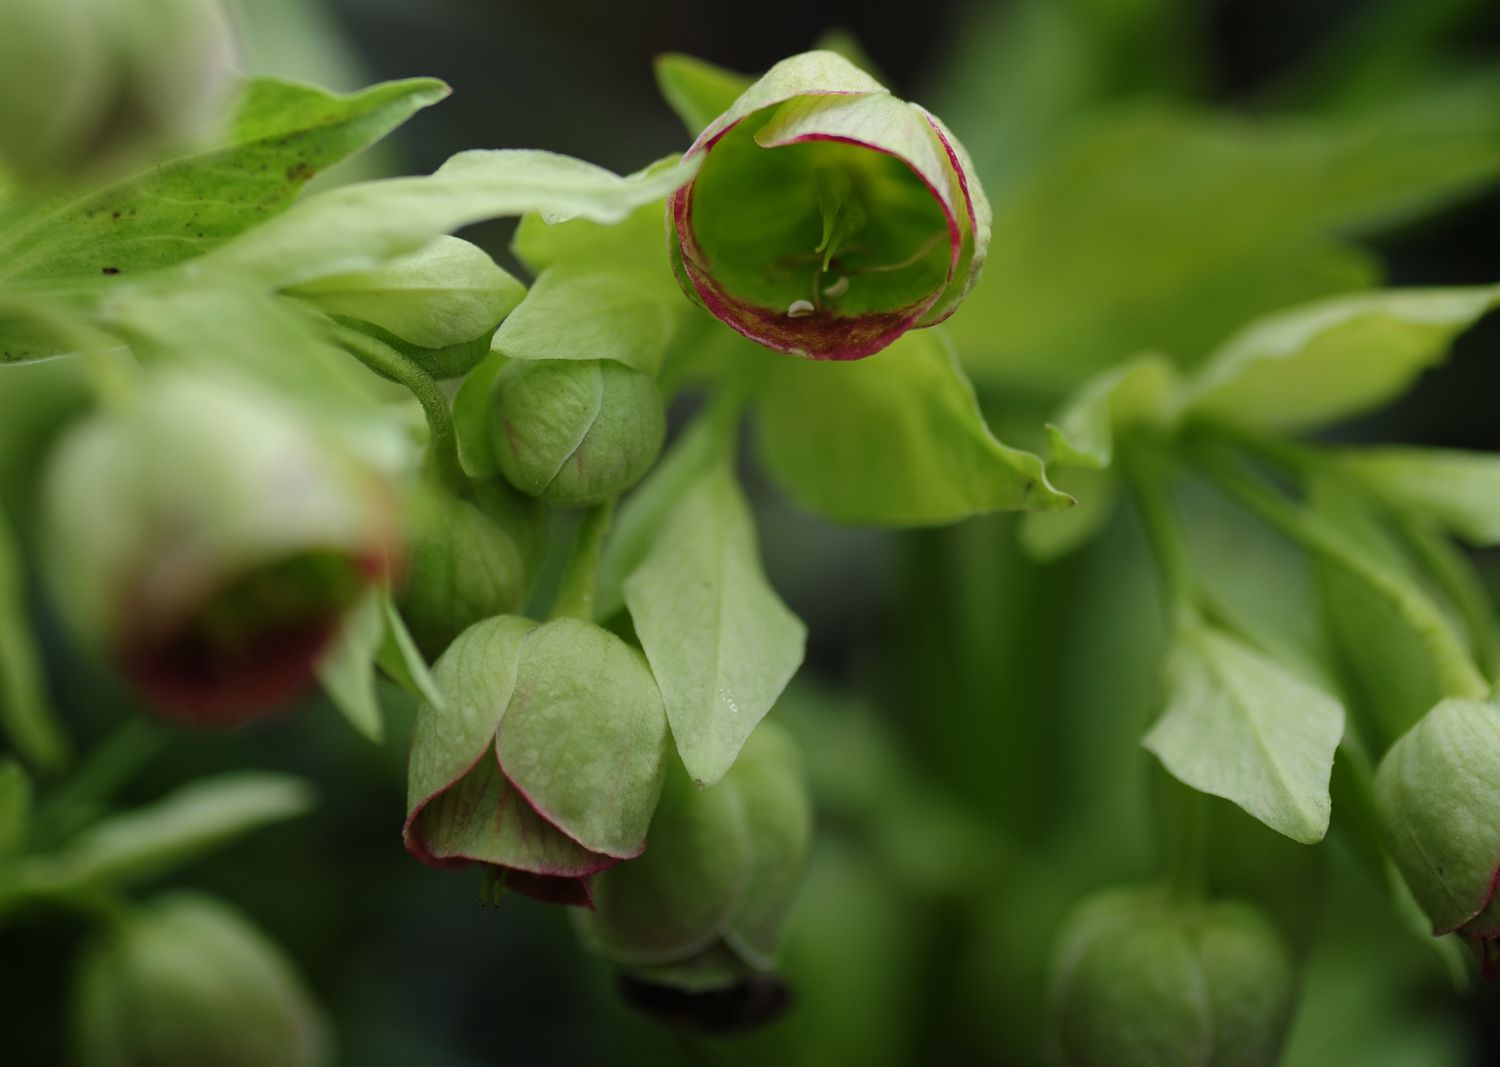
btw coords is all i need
(698, 92)
(1334, 359)
(1239, 726)
(588, 313)
(283, 134)
(347, 670)
(1083, 434)
(25, 707)
(15, 806)
(893, 440)
(1459, 491)
(720, 641)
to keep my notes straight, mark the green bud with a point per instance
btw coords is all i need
(1437, 795)
(461, 567)
(1146, 980)
(521, 702)
(187, 982)
(704, 907)
(575, 432)
(828, 217)
(439, 305)
(210, 543)
(90, 85)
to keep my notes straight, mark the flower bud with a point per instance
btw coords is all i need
(703, 908)
(461, 567)
(439, 305)
(210, 543)
(828, 217)
(575, 432)
(1437, 796)
(187, 982)
(1145, 980)
(89, 85)
(545, 759)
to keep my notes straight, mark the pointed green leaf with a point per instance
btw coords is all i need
(357, 227)
(587, 313)
(283, 135)
(347, 670)
(584, 738)
(720, 641)
(1139, 390)
(1457, 490)
(893, 440)
(697, 91)
(400, 658)
(1239, 726)
(1334, 359)
(1049, 535)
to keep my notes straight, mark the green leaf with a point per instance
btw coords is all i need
(1239, 726)
(283, 135)
(399, 657)
(445, 293)
(347, 669)
(1459, 491)
(197, 818)
(720, 641)
(15, 806)
(25, 707)
(893, 440)
(357, 227)
(587, 313)
(1139, 390)
(1049, 535)
(585, 700)
(473, 411)
(1331, 360)
(698, 92)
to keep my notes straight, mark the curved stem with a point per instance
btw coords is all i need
(575, 596)
(1146, 475)
(442, 444)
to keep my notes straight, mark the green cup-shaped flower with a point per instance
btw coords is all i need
(828, 217)
(575, 432)
(187, 982)
(545, 760)
(90, 85)
(1145, 980)
(1437, 795)
(704, 907)
(209, 542)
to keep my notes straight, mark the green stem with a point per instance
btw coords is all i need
(575, 596)
(26, 709)
(1146, 475)
(442, 443)
(1456, 578)
(1186, 840)
(1456, 670)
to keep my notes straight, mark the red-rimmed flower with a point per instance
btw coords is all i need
(828, 217)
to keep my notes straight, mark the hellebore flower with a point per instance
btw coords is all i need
(1144, 980)
(575, 432)
(545, 759)
(828, 217)
(211, 543)
(704, 907)
(1437, 796)
(186, 982)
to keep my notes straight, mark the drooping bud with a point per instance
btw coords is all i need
(209, 542)
(93, 85)
(186, 982)
(1437, 795)
(828, 217)
(545, 760)
(704, 907)
(575, 432)
(439, 305)
(1144, 980)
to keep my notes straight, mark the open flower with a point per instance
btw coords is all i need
(828, 217)
(212, 543)
(545, 759)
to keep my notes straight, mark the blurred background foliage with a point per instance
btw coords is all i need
(1162, 171)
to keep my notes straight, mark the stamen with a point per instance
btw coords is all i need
(800, 309)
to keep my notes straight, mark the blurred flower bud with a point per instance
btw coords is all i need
(210, 544)
(576, 432)
(461, 567)
(91, 85)
(828, 217)
(704, 907)
(1145, 980)
(1437, 795)
(439, 305)
(187, 982)
(544, 761)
